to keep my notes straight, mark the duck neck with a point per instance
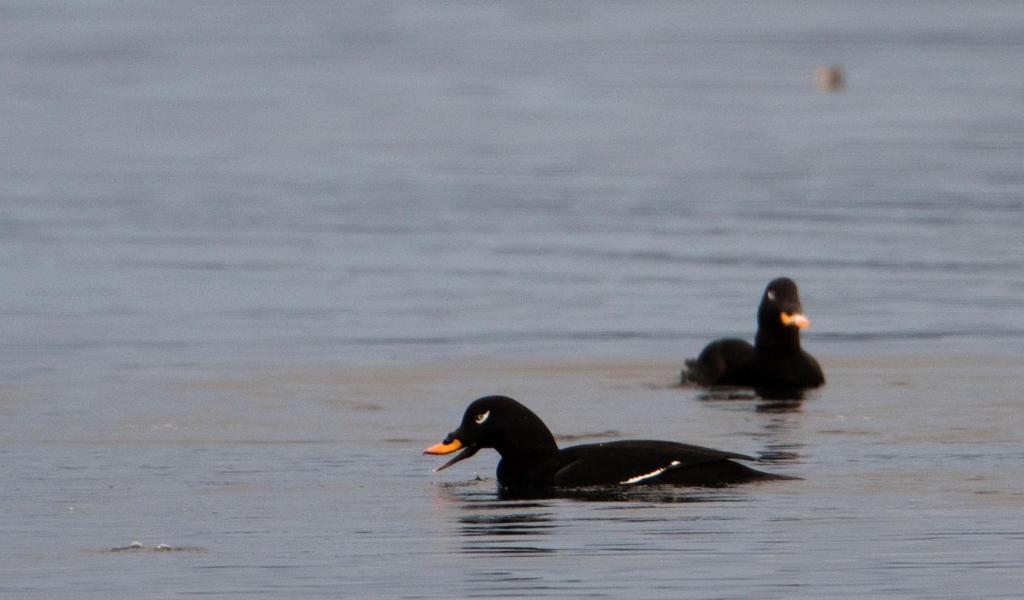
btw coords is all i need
(524, 460)
(777, 339)
(531, 438)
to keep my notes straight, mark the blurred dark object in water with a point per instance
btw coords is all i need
(829, 79)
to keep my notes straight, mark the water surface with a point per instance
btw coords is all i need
(256, 256)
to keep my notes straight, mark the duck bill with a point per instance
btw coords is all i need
(444, 447)
(448, 448)
(795, 319)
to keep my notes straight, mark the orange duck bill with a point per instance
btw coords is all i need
(795, 319)
(449, 445)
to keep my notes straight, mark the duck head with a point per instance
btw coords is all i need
(780, 306)
(497, 422)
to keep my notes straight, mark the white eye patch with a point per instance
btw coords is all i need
(480, 418)
(771, 294)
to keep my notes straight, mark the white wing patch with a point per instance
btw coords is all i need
(650, 475)
(480, 418)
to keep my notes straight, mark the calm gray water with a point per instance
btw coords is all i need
(256, 256)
